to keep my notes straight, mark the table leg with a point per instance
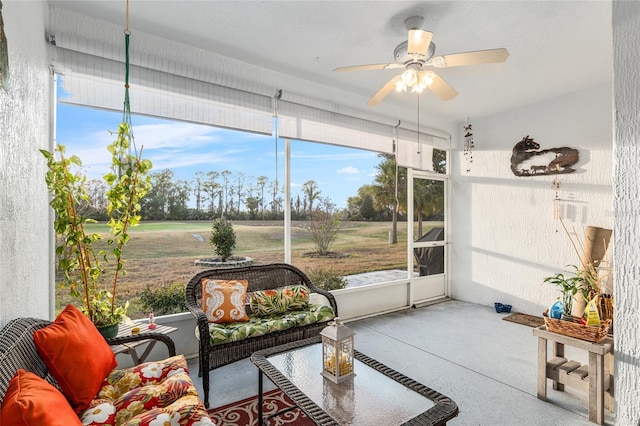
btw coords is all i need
(558, 351)
(260, 421)
(596, 388)
(608, 374)
(146, 352)
(542, 368)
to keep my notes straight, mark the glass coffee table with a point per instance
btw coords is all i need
(376, 395)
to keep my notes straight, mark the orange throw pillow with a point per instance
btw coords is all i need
(31, 401)
(76, 355)
(224, 300)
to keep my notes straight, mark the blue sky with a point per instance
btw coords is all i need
(187, 148)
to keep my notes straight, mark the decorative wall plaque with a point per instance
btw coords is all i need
(528, 160)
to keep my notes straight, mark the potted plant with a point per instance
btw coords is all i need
(83, 267)
(569, 287)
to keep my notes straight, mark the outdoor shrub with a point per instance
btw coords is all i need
(223, 238)
(164, 300)
(326, 279)
(324, 226)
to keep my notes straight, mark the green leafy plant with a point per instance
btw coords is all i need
(569, 287)
(164, 300)
(589, 282)
(327, 279)
(223, 238)
(82, 266)
(104, 311)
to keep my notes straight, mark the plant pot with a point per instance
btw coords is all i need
(108, 331)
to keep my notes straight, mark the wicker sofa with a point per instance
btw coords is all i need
(19, 358)
(260, 278)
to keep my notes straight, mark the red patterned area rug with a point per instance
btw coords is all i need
(245, 412)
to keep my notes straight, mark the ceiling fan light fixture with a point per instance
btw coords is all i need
(400, 86)
(427, 78)
(409, 77)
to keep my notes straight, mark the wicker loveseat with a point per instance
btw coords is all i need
(129, 396)
(214, 354)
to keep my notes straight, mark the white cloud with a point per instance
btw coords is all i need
(167, 145)
(349, 170)
(175, 135)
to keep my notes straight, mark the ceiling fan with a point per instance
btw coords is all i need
(416, 56)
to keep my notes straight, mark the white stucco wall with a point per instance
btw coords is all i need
(626, 42)
(505, 240)
(24, 128)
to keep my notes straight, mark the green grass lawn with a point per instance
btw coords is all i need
(163, 253)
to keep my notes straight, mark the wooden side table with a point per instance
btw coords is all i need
(125, 342)
(596, 378)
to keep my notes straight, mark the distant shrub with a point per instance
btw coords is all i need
(164, 300)
(327, 279)
(323, 226)
(223, 238)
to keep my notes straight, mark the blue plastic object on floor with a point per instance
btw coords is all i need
(502, 308)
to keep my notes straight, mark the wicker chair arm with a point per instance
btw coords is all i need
(202, 322)
(115, 341)
(330, 297)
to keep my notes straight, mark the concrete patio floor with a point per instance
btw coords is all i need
(463, 350)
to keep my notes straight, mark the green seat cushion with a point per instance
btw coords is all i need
(261, 325)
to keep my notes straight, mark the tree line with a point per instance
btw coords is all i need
(213, 194)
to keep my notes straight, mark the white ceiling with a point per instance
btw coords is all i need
(555, 47)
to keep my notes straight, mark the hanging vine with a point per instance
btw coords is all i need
(82, 266)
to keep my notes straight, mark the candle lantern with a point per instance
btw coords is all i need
(337, 351)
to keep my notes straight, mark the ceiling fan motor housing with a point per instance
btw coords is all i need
(402, 57)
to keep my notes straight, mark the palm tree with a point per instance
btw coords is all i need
(389, 192)
(428, 198)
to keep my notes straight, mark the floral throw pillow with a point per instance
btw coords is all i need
(279, 300)
(224, 300)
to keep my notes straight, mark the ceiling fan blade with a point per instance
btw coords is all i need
(442, 89)
(490, 56)
(384, 91)
(419, 42)
(369, 67)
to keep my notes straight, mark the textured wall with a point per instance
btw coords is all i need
(24, 128)
(505, 239)
(626, 41)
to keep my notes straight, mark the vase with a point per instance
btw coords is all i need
(108, 331)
